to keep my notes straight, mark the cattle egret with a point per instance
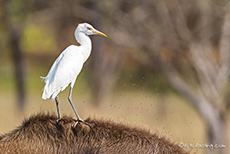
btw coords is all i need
(68, 65)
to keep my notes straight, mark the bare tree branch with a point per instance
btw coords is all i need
(224, 71)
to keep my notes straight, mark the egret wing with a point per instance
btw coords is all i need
(55, 64)
(64, 71)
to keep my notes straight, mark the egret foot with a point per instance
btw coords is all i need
(78, 121)
(57, 121)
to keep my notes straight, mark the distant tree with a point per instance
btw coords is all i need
(190, 42)
(11, 22)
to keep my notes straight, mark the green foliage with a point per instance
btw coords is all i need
(7, 78)
(38, 39)
(15, 10)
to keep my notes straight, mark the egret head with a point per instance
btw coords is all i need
(88, 29)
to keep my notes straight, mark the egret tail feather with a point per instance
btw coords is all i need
(42, 78)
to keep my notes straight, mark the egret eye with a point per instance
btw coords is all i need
(89, 28)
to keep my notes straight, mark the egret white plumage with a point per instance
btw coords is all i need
(68, 65)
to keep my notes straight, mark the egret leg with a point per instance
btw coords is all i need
(70, 101)
(59, 116)
(78, 117)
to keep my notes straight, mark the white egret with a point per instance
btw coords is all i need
(68, 65)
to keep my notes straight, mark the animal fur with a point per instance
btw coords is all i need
(41, 134)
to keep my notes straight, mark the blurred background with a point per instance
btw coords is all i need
(165, 65)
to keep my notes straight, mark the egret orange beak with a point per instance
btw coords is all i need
(99, 33)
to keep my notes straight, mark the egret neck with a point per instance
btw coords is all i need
(85, 44)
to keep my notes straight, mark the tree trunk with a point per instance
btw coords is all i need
(19, 68)
(213, 117)
(106, 64)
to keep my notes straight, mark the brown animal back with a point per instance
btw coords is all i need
(41, 134)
